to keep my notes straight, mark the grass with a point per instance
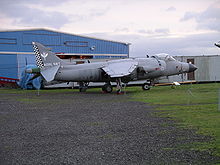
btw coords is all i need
(192, 106)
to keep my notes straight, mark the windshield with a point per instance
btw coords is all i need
(165, 57)
(170, 58)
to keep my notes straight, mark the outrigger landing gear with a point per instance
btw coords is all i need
(107, 88)
(83, 86)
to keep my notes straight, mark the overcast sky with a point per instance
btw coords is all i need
(189, 27)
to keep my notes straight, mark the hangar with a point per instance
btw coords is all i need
(16, 49)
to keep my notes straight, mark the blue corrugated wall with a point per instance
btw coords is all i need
(8, 66)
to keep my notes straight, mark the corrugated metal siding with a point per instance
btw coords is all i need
(8, 66)
(46, 39)
(203, 72)
(9, 41)
(23, 60)
(214, 68)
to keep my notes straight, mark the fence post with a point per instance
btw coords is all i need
(219, 99)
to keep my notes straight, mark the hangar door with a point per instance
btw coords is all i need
(191, 76)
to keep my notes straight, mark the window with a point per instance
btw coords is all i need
(76, 43)
(8, 41)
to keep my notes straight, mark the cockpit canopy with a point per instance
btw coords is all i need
(164, 56)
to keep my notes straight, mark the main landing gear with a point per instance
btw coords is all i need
(107, 88)
(119, 86)
(83, 86)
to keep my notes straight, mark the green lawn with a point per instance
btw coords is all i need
(192, 106)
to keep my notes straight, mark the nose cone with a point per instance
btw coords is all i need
(217, 44)
(192, 67)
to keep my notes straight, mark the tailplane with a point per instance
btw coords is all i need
(47, 61)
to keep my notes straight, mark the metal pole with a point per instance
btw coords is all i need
(219, 100)
(38, 92)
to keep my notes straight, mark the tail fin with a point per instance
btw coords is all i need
(47, 61)
(44, 56)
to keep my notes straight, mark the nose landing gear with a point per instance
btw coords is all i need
(146, 86)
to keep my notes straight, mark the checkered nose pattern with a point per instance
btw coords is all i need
(39, 61)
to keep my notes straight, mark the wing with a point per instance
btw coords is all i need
(120, 68)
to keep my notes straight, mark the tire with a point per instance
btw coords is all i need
(146, 86)
(107, 88)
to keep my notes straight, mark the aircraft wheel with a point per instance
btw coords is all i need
(107, 88)
(146, 86)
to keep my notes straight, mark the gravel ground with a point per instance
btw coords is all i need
(90, 128)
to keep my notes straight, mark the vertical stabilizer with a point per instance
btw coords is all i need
(47, 61)
(44, 56)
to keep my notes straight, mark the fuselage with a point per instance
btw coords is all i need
(148, 68)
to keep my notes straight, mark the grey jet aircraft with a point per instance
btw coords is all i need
(52, 68)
